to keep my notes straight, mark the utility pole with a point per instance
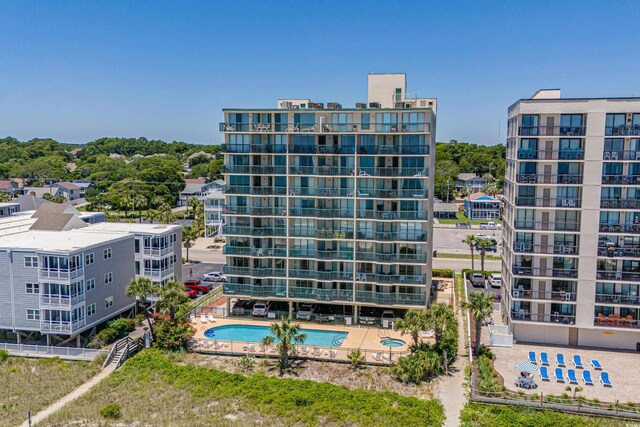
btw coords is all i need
(448, 183)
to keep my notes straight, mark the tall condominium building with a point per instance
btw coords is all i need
(331, 205)
(572, 221)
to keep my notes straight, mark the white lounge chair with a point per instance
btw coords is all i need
(317, 352)
(333, 353)
(203, 318)
(377, 356)
(211, 318)
(304, 350)
(192, 318)
(386, 356)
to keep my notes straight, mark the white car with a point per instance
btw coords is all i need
(214, 276)
(495, 280)
(261, 308)
(305, 311)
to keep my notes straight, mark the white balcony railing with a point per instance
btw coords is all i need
(61, 326)
(158, 251)
(60, 300)
(59, 274)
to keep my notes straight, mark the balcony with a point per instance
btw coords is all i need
(322, 233)
(158, 273)
(547, 226)
(373, 214)
(551, 202)
(563, 249)
(561, 319)
(255, 170)
(321, 275)
(254, 231)
(621, 155)
(382, 298)
(59, 274)
(620, 228)
(321, 254)
(254, 148)
(618, 275)
(620, 299)
(321, 192)
(616, 322)
(616, 252)
(60, 326)
(418, 149)
(262, 191)
(567, 273)
(620, 204)
(549, 295)
(324, 127)
(257, 252)
(257, 291)
(155, 252)
(621, 179)
(61, 300)
(390, 257)
(395, 172)
(418, 279)
(391, 194)
(392, 236)
(325, 295)
(551, 130)
(321, 213)
(549, 179)
(254, 272)
(259, 211)
(573, 154)
(321, 170)
(633, 130)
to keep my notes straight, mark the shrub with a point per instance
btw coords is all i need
(123, 326)
(111, 411)
(442, 272)
(139, 318)
(356, 359)
(246, 363)
(4, 355)
(172, 335)
(417, 367)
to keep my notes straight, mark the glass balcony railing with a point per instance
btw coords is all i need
(382, 298)
(551, 130)
(254, 272)
(565, 319)
(391, 257)
(391, 236)
(547, 295)
(573, 154)
(321, 192)
(622, 299)
(633, 130)
(258, 252)
(621, 155)
(618, 275)
(253, 231)
(321, 275)
(547, 226)
(320, 294)
(564, 249)
(621, 179)
(620, 228)
(321, 254)
(560, 202)
(262, 191)
(324, 127)
(417, 279)
(322, 170)
(620, 204)
(257, 291)
(377, 214)
(615, 252)
(321, 213)
(549, 179)
(321, 233)
(568, 273)
(259, 211)
(255, 170)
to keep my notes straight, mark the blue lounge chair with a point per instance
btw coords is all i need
(604, 379)
(586, 377)
(577, 361)
(558, 375)
(596, 365)
(544, 358)
(560, 360)
(544, 374)
(532, 357)
(571, 375)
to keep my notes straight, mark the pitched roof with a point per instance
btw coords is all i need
(194, 185)
(445, 207)
(40, 191)
(467, 176)
(30, 203)
(57, 217)
(67, 185)
(480, 196)
(7, 184)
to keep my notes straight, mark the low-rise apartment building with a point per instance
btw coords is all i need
(571, 271)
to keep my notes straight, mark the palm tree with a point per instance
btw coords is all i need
(482, 244)
(439, 317)
(491, 189)
(412, 323)
(165, 215)
(189, 234)
(480, 305)
(172, 299)
(151, 215)
(287, 335)
(471, 241)
(141, 288)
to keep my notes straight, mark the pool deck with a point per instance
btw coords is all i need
(367, 339)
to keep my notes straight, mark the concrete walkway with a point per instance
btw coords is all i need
(56, 406)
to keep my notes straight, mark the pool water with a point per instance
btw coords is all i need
(392, 342)
(254, 333)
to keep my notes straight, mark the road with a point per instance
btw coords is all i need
(450, 239)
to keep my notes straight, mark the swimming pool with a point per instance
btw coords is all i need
(392, 342)
(255, 333)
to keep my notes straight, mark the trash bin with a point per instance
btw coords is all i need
(638, 346)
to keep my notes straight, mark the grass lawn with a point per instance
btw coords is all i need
(153, 390)
(36, 383)
(480, 415)
(462, 218)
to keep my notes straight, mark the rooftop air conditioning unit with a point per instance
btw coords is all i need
(320, 105)
(399, 105)
(360, 105)
(374, 105)
(334, 106)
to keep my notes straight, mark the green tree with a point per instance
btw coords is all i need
(189, 235)
(412, 323)
(356, 359)
(480, 305)
(172, 298)
(172, 335)
(150, 215)
(165, 214)
(287, 335)
(482, 244)
(470, 240)
(141, 288)
(440, 318)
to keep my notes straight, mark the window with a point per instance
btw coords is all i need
(136, 246)
(398, 96)
(32, 288)
(108, 302)
(108, 278)
(31, 261)
(88, 259)
(33, 314)
(91, 310)
(90, 284)
(571, 124)
(529, 125)
(107, 253)
(615, 123)
(365, 119)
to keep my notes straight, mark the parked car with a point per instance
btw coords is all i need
(305, 311)
(476, 279)
(214, 276)
(463, 225)
(260, 308)
(200, 288)
(491, 225)
(191, 293)
(387, 318)
(239, 307)
(495, 280)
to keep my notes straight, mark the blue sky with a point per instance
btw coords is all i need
(80, 70)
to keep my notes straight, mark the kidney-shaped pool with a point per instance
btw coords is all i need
(255, 333)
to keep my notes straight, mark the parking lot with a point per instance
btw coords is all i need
(486, 288)
(198, 269)
(450, 239)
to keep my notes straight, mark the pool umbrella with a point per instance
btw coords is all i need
(526, 367)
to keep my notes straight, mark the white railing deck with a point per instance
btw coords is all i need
(66, 353)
